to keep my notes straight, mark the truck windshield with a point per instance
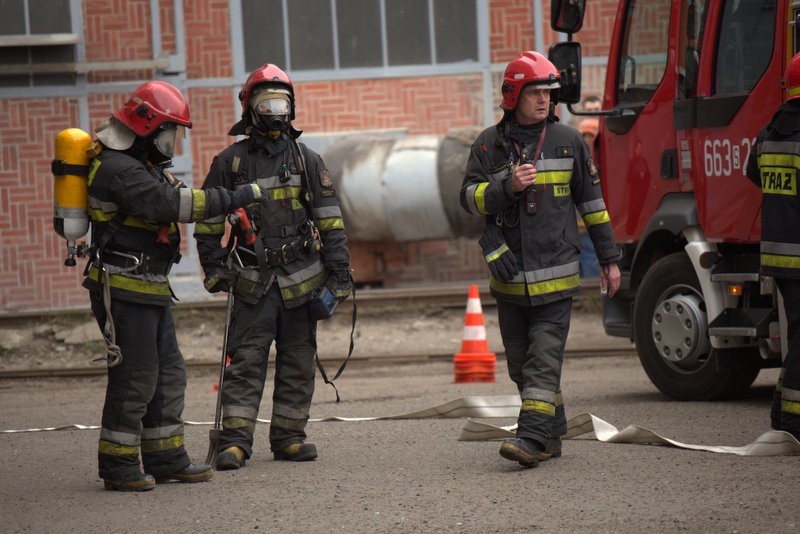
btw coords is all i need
(745, 45)
(643, 55)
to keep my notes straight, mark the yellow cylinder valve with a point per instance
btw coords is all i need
(70, 197)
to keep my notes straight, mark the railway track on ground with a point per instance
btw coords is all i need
(333, 363)
(367, 301)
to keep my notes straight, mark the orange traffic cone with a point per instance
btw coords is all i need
(474, 363)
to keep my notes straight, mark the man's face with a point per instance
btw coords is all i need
(592, 105)
(533, 105)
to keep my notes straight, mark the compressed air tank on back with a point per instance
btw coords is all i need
(70, 198)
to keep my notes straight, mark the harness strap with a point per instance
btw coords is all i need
(349, 352)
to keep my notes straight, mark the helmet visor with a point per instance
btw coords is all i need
(275, 104)
(166, 139)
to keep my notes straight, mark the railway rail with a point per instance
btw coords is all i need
(84, 372)
(367, 301)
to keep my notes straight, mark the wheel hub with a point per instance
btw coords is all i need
(679, 329)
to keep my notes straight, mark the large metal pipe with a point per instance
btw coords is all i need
(403, 188)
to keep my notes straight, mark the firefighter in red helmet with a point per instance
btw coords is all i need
(773, 167)
(134, 207)
(526, 176)
(278, 280)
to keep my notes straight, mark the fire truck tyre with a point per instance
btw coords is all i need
(671, 334)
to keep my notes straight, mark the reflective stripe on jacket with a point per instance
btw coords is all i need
(774, 166)
(282, 218)
(122, 184)
(545, 244)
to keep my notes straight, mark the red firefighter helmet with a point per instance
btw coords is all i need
(793, 78)
(153, 104)
(526, 69)
(266, 74)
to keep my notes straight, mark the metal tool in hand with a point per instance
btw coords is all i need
(216, 430)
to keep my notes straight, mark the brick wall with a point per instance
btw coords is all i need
(32, 275)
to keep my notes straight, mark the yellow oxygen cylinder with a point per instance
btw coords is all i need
(70, 196)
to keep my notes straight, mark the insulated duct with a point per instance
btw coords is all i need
(403, 188)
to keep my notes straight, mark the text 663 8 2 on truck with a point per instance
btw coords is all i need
(689, 84)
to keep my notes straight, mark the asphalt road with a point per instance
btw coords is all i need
(412, 475)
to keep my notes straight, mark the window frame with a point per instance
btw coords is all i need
(65, 40)
(384, 69)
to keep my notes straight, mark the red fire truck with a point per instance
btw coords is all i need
(689, 85)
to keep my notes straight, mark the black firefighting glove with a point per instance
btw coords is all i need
(501, 261)
(221, 280)
(339, 282)
(244, 196)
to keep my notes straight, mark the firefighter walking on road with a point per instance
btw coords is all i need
(774, 166)
(279, 278)
(134, 205)
(526, 176)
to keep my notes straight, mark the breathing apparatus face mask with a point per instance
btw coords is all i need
(270, 110)
(166, 139)
(162, 148)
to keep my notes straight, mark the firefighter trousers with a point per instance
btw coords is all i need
(145, 393)
(534, 338)
(785, 412)
(253, 329)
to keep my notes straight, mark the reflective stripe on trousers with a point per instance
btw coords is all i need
(534, 338)
(144, 396)
(785, 413)
(254, 327)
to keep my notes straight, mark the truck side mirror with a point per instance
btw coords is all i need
(567, 15)
(566, 57)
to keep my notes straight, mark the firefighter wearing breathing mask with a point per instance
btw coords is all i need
(134, 207)
(300, 250)
(526, 176)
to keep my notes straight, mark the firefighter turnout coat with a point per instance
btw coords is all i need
(544, 241)
(134, 211)
(773, 166)
(282, 223)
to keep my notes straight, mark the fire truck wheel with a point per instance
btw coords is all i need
(671, 334)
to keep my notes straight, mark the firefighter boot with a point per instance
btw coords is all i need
(190, 473)
(553, 449)
(525, 451)
(133, 482)
(231, 458)
(297, 452)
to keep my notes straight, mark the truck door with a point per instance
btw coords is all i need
(738, 88)
(642, 84)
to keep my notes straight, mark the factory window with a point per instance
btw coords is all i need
(344, 34)
(36, 41)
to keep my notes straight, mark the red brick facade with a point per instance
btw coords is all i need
(32, 274)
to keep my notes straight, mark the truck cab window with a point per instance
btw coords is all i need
(691, 37)
(738, 68)
(795, 25)
(643, 55)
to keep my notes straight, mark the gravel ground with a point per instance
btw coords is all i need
(73, 340)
